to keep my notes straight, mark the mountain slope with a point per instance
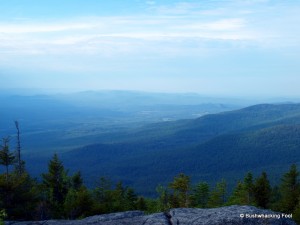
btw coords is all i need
(184, 132)
(273, 149)
(257, 138)
(60, 122)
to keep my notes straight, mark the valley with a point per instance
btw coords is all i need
(104, 136)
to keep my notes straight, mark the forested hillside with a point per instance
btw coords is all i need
(60, 122)
(235, 157)
(262, 137)
(62, 196)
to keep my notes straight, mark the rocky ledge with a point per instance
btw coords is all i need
(231, 215)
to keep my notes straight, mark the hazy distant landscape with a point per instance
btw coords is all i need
(55, 123)
(145, 139)
(112, 106)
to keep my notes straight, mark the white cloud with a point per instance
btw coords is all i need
(217, 25)
(227, 24)
(41, 28)
(114, 34)
(174, 27)
(217, 40)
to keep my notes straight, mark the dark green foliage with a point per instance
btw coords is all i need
(6, 157)
(19, 196)
(56, 186)
(180, 188)
(103, 196)
(217, 196)
(141, 204)
(212, 147)
(250, 139)
(18, 192)
(296, 214)
(78, 203)
(248, 185)
(200, 195)
(130, 199)
(76, 181)
(118, 197)
(239, 195)
(163, 203)
(243, 194)
(63, 196)
(290, 190)
(107, 199)
(275, 198)
(262, 191)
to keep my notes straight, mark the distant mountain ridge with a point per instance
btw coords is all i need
(257, 138)
(60, 122)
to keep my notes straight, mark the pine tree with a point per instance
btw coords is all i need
(296, 213)
(130, 199)
(262, 191)
(289, 190)
(248, 184)
(181, 188)
(118, 197)
(239, 195)
(56, 186)
(20, 196)
(76, 181)
(218, 195)
(163, 199)
(6, 157)
(141, 204)
(78, 203)
(20, 163)
(201, 195)
(103, 195)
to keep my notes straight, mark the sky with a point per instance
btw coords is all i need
(211, 47)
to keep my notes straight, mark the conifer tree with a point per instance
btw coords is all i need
(201, 195)
(130, 199)
(118, 197)
(289, 190)
(56, 186)
(275, 199)
(181, 188)
(103, 196)
(19, 196)
(217, 197)
(141, 204)
(296, 213)
(163, 199)
(7, 158)
(78, 203)
(76, 181)
(248, 184)
(239, 195)
(262, 191)
(20, 163)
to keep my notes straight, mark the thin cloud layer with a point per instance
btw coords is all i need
(182, 22)
(190, 41)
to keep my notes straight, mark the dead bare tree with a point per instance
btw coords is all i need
(19, 161)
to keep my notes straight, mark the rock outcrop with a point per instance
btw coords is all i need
(231, 215)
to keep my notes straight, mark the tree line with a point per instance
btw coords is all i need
(62, 196)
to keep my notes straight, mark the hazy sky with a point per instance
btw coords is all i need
(216, 47)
